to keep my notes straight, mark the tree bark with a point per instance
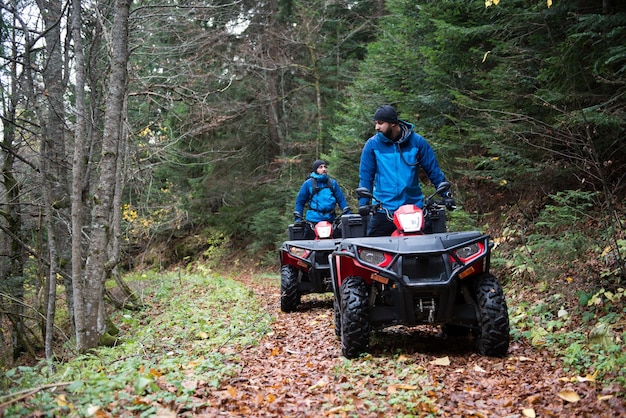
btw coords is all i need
(101, 228)
(78, 173)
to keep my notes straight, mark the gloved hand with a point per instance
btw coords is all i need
(346, 211)
(448, 200)
(297, 222)
(364, 210)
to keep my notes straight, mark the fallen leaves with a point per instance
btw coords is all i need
(569, 396)
(296, 370)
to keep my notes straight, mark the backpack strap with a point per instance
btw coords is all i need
(315, 188)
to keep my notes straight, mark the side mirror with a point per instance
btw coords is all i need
(363, 192)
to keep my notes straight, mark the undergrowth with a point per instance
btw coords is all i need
(566, 290)
(174, 348)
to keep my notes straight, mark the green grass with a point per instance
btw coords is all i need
(176, 344)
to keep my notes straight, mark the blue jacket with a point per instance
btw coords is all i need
(323, 202)
(391, 169)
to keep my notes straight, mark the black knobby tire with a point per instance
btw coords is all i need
(337, 318)
(355, 325)
(493, 337)
(289, 283)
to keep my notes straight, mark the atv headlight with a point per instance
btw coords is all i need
(323, 229)
(410, 222)
(467, 252)
(298, 252)
(378, 258)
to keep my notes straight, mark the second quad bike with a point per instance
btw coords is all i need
(412, 278)
(304, 264)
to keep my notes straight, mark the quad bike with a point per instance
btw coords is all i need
(304, 263)
(412, 278)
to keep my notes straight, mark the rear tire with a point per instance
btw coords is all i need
(355, 325)
(289, 283)
(492, 337)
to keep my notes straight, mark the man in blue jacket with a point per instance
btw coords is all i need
(390, 163)
(323, 195)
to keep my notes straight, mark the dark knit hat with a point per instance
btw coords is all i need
(317, 163)
(386, 113)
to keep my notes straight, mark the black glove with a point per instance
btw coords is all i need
(297, 222)
(364, 210)
(346, 211)
(448, 200)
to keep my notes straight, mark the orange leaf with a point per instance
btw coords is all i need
(231, 391)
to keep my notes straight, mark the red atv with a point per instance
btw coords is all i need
(304, 263)
(412, 278)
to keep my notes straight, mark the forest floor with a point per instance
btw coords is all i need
(300, 360)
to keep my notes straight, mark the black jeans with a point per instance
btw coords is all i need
(379, 226)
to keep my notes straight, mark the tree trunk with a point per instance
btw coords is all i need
(53, 162)
(12, 272)
(101, 229)
(78, 172)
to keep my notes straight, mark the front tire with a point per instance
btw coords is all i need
(493, 337)
(289, 283)
(355, 325)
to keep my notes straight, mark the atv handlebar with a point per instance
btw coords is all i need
(430, 203)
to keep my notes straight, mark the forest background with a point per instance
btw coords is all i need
(148, 134)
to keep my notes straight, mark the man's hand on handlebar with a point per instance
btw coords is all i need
(364, 210)
(448, 201)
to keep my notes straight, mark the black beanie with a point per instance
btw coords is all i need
(317, 163)
(386, 113)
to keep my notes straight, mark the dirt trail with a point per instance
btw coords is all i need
(292, 373)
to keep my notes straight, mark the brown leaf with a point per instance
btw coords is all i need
(442, 361)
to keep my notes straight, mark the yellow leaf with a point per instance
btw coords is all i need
(271, 397)
(320, 384)
(529, 412)
(569, 396)
(604, 397)
(402, 357)
(202, 335)
(406, 387)
(442, 361)
(485, 56)
(549, 3)
(61, 400)
(588, 378)
(275, 351)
